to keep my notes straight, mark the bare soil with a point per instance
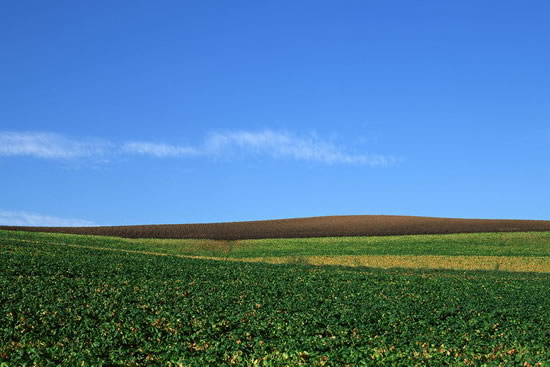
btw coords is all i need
(331, 226)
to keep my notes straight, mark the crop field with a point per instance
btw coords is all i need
(515, 251)
(82, 300)
(331, 226)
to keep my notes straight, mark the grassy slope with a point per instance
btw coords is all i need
(521, 251)
(80, 306)
(476, 244)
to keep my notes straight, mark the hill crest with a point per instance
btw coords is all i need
(327, 226)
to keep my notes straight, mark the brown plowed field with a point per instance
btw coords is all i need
(333, 226)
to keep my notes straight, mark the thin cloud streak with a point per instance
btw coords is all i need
(47, 145)
(274, 144)
(22, 218)
(286, 145)
(158, 150)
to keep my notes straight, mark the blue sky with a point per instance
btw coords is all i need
(136, 112)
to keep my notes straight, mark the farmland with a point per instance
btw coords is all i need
(330, 226)
(81, 300)
(514, 251)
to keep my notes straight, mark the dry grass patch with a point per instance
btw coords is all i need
(503, 263)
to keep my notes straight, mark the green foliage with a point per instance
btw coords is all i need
(78, 306)
(465, 244)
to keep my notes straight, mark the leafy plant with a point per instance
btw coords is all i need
(63, 304)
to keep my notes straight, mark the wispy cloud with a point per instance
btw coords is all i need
(286, 145)
(22, 218)
(48, 145)
(158, 150)
(274, 144)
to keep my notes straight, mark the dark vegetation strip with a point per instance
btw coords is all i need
(332, 226)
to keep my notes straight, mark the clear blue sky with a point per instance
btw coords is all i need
(135, 112)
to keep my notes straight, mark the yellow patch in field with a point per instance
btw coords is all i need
(506, 263)
(539, 264)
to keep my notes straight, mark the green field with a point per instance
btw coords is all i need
(80, 300)
(476, 244)
(521, 251)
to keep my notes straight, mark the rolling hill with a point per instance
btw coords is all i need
(329, 226)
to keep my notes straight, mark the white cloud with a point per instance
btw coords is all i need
(47, 145)
(274, 144)
(22, 218)
(158, 150)
(286, 145)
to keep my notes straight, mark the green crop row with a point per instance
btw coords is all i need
(79, 306)
(465, 244)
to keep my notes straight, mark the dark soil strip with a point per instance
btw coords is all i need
(333, 226)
